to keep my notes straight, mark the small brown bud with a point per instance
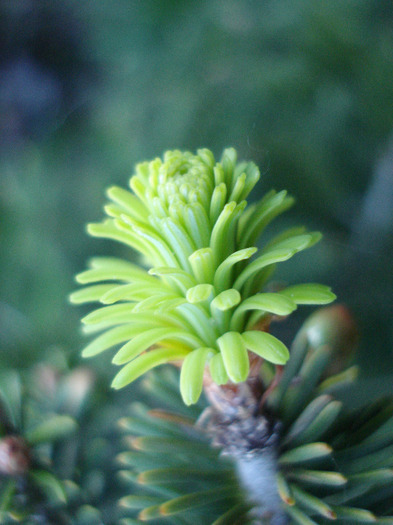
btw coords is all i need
(14, 456)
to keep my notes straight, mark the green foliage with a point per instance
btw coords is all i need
(333, 463)
(54, 465)
(303, 88)
(200, 299)
(172, 472)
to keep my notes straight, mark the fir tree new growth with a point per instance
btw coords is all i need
(202, 304)
(200, 300)
(271, 442)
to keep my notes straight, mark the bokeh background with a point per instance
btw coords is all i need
(87, 89)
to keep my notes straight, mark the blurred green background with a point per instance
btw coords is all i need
(87, 89)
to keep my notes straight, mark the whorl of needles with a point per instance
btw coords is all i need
(199, 299)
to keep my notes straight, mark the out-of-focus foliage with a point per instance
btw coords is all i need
(57, 446)
(87, 89)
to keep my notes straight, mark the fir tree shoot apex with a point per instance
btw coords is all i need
(199, 297)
